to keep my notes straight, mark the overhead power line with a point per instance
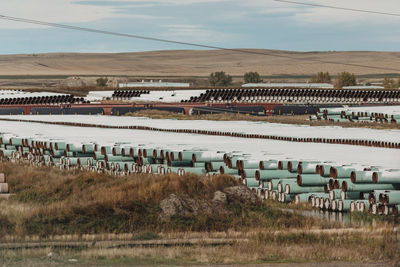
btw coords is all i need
(339, 8)
(263, 53)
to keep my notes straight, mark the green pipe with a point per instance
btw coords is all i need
(311, 180)
(15, 141)
(344, 205)
(286, 198)
(117, 151)
(361, 177)
(248, 173)
(88, 148)
(207, 157)
(185, 155)
(283, 164)
(251, 182)
(226, 170)
(199, 165)
(172, 169)
(341, 172)
(294, 188)
(283, 183)
(268, 165)
(335, 194)
(10, 147)
(106, 150)
(182, 163)
(393, 197)
(99, 156)
(325, 170)
(292, 165)
(273, 184)
(216, 165)
(251, 164)
(387, 177)
(274, 174)
(351, 187)
(74, 148)
(110, 157)
(198, 171)
(303, 197)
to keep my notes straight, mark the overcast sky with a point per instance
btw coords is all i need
(225, 23)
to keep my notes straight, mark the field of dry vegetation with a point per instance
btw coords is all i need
(58, 217)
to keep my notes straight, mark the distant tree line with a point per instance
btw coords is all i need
(220, 78)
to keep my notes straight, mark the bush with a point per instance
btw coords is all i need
(252, 77)
(346, 79)
(389, 83)
(220, 78)
(102, 82)
(321, 77)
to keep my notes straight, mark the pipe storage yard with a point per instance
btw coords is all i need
(332, 168)
(278, 94)
(360, 114)
(329, 176)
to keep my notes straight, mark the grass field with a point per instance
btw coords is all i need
(57, 217)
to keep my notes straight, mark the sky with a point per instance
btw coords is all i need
(225, 23)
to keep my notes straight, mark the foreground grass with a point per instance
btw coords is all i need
(91, 219)
(295, 119)
(263, 247)
(49, 201)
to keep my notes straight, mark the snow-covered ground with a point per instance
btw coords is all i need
(18, 94)
(153, 96)
(376, 109)
(258, 149)
(265, 128)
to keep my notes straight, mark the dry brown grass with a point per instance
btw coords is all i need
(295, 119)
(48, 202)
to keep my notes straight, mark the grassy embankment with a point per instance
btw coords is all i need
(295, 119)
(96, 211)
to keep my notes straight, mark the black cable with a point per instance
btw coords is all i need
(64, 26)
(336, 7)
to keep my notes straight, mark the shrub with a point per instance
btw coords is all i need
(346, 79)
(102, 82)
(321, 77)
(252, 77)
(220, 78)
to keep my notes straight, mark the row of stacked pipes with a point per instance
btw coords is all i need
(325, 185)
(338, 115)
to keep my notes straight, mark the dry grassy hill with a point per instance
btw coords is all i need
(197, 63)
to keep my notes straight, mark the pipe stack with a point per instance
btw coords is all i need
(347, 115)
(325, 185)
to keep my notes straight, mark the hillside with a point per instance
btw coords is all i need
(197, 63)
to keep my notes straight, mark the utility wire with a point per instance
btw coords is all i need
(337, 7)
(65, 26)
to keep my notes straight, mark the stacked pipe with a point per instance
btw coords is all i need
(127, 94)
(296, 95)
(42, 100)
(355, 142)
(324, 185)
(348, 115)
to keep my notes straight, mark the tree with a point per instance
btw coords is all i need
(321, 77)
(346, 79)
(102, 82)
(389, 83)
(252, 77)
(220, 78)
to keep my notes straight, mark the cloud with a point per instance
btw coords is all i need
(311, 14)
(194, 33)
(61, 11)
